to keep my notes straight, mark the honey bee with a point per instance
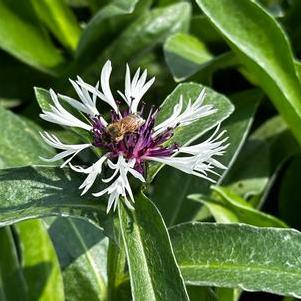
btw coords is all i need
(128, 124)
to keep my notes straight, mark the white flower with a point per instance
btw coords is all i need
(87, 104)
(201, 162)
(143, 142)
(192, 112)
(121, 185)
(106, 94)
(93, 171)
(135, 89)
(69, 149)
(61, 116)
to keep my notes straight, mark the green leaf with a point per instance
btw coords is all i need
(12, 282)
(97, 29)
(40, 265)
(266, 151)
(116, 268)
(82, 252)
(239, 256)
(147, 31)
(251, 180)
(20, 144)
(43, 97)
(281, 142)
(33, 192)
(60, 20)
(173, 202)
(22, 36)
(187, 134)
(225, 200)
(185, 55)
(263, 48)
(153, 271)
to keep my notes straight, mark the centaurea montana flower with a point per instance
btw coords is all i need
(128, 140)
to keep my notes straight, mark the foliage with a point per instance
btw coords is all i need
(186, 239)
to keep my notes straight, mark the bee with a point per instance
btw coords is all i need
(128, 124)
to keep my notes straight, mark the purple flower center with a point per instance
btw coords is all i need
(132, 136)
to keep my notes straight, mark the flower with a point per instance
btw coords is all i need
(128, 138)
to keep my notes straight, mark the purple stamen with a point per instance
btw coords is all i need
(137, 144)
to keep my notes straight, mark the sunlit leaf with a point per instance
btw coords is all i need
(239, 256)
(153, 271)
(22, 36)
(263, 48)
(39, 262)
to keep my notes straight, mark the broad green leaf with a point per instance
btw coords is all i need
(82, 252)
(154, 273)
(40, 265)
(97, 29)
(60, 20)
(264, 50)
(147, 31)
(239, 256)
(187, 134)
(34, 192)
(20, 144)
(185, 55)
(243, 212)
(22, 36)
(173, 202)
(12, 282)
(289, 196)
(43, 97)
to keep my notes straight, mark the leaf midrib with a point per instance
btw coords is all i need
(244, 267)
(145, 260)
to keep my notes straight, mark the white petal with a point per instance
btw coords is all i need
(188, 165)
(202, 160)
(106, 94)
(105, 85)
(92, 171)
(135, 89)
(61, 116)
(120, 186)
(68, 149)
(192, 112)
